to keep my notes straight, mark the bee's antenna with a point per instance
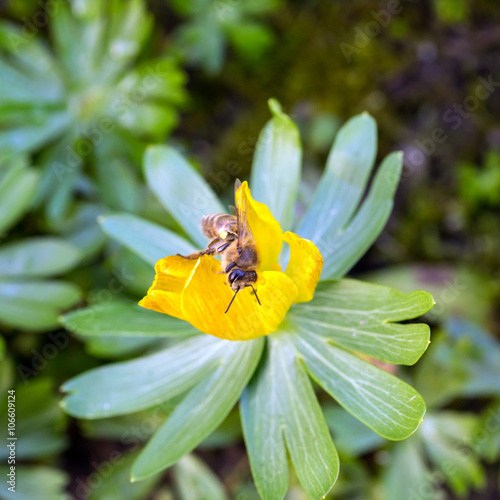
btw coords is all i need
(256, 296)
(234, 296)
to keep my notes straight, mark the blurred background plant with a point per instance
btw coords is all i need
(87, 104)
(86, 85)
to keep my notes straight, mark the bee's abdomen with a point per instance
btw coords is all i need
(215, 224)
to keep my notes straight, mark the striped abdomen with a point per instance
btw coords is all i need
(219, 225)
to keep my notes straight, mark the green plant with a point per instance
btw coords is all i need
(212, 27)
(325, 339)
(447, 448)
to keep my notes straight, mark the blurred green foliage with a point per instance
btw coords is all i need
(211, 28)
(88, 103)
(86, 85)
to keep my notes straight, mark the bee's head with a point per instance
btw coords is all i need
(239, 279)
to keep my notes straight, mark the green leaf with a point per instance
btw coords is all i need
(347, 170)
(342, 250)
(125, 319)
(40, 482)
(136, 274)
(17, 189)
(39, 256)
(148, 240)
(362, 317)
(144, 382)
(35, 305)
(119, 186)
(180, 189)
(118, 347)
(279, 407)
(203, 409)
(61, 167)
(381, 401)
(195, 481)
(276, 166)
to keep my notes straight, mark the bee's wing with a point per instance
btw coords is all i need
(241, 215)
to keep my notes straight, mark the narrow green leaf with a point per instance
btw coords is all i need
(277, 165)
(180, 189)
(35, 305)
(39, 256)
(17, 190)
(144, 382)
(384, 403)
(361, 317)
(341, 251)
(148, 240)
(202, 410)
(125, 319)
(280, 406)
(195, 481)
(343, 183)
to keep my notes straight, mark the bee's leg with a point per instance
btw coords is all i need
(210, 250)
(223, 247)
(192, 256)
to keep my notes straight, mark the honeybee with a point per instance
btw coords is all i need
(232, 239)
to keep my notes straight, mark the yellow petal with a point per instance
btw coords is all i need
(165, 294)
(266, 230)
(206, 297)
(304, 266)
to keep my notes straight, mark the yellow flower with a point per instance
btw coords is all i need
(196, 291)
